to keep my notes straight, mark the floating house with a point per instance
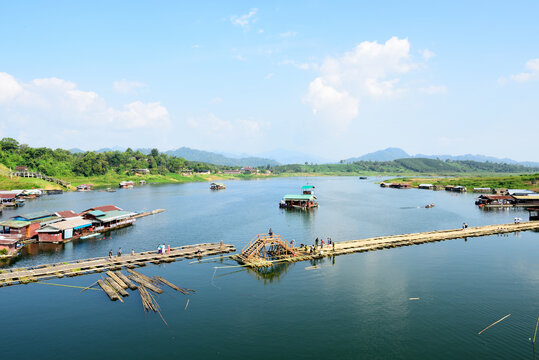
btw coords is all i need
(495, 201)
(9, 245)
(303, 201)
(126, 185)
(307, 189)
(8, 199)
(534, 213)
(425, 186)
(217, 186)
(527, 200)
(85, 187)
(64, 230)
(108, 220)
(19, 228)
(459, 189)
(400, 186)
(142, 182)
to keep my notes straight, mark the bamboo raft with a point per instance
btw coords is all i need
(15, 276)
(387, 242)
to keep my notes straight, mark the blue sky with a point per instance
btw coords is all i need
(332, 79)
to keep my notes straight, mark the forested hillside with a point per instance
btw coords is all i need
(59, 162)
(408, 165)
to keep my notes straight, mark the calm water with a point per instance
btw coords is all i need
(354, 306)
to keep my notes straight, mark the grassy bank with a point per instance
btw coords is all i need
(530, 181)
(113, 179)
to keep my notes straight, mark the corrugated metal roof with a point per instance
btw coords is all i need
(519, 191)
(8, 196)
(115, 215)
(104, 208)
(307, 187)
(65, 225)
(67, 213)
(497, 197)
(35, 215)
(527, 197)
(97, 213)
(299, 197)
(15, 223)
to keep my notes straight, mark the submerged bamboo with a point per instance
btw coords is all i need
(494, 323)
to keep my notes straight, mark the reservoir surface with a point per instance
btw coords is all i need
(352, 306)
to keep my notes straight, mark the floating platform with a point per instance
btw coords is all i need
(14, 276)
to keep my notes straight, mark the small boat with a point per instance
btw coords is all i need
(126, 185)
(110, 190)
(217, 186)
(428, 206)
(19, 202)
(89, 236)
(362, 178)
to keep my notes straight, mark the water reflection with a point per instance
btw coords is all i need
(270, 274)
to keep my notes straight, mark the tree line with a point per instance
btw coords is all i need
(60, 162)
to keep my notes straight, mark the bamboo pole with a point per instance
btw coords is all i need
(86, 288)
(494, 323)
(535, 333)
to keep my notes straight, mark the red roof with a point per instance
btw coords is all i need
(8, 196)
(497, 197)
(103, 208)
(67, 214)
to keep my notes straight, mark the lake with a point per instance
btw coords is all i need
(352, 306)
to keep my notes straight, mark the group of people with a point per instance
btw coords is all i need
(119, 253)
(161, 249)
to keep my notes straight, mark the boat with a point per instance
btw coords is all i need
(110, 190)
(89, 236)
(19, 202)
(85, 187)
(298, 201)
(217, 186)
(307, 190)
(428, 206)
(126, 185)
(362, 178)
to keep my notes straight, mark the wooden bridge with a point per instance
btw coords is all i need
(376, 243)
(38, 175)
(14, 276)
(263, 248)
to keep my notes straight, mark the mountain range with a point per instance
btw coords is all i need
(390, 154)
(282, 156)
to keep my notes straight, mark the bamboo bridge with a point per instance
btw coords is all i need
(15, 276)
(258, 254)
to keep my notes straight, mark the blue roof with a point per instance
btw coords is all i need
(34, 215)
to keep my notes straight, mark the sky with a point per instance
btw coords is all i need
(334, 79)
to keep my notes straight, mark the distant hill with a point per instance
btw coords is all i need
(292, 157)
(390, 154)
(218, 159)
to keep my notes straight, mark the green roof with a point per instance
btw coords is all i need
(299, 197)
(305, 187)
(15, 223)
(97, 213)
(115, 215)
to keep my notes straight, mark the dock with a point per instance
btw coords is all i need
(374, 243)
(15, 276)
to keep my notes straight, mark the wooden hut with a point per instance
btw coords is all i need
(64, 230)
(495, 201)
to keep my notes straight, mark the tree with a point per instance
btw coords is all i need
(9, 144)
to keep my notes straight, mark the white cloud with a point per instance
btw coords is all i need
(127, 87)
(212, 127)
(433, 89)
(61, 103)
(245, 20)
(532, 74)
(299, 65)
(239, 57)
(288, 34)
(217, 100)
(371, 70)
(268, 76)
(427, 54)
